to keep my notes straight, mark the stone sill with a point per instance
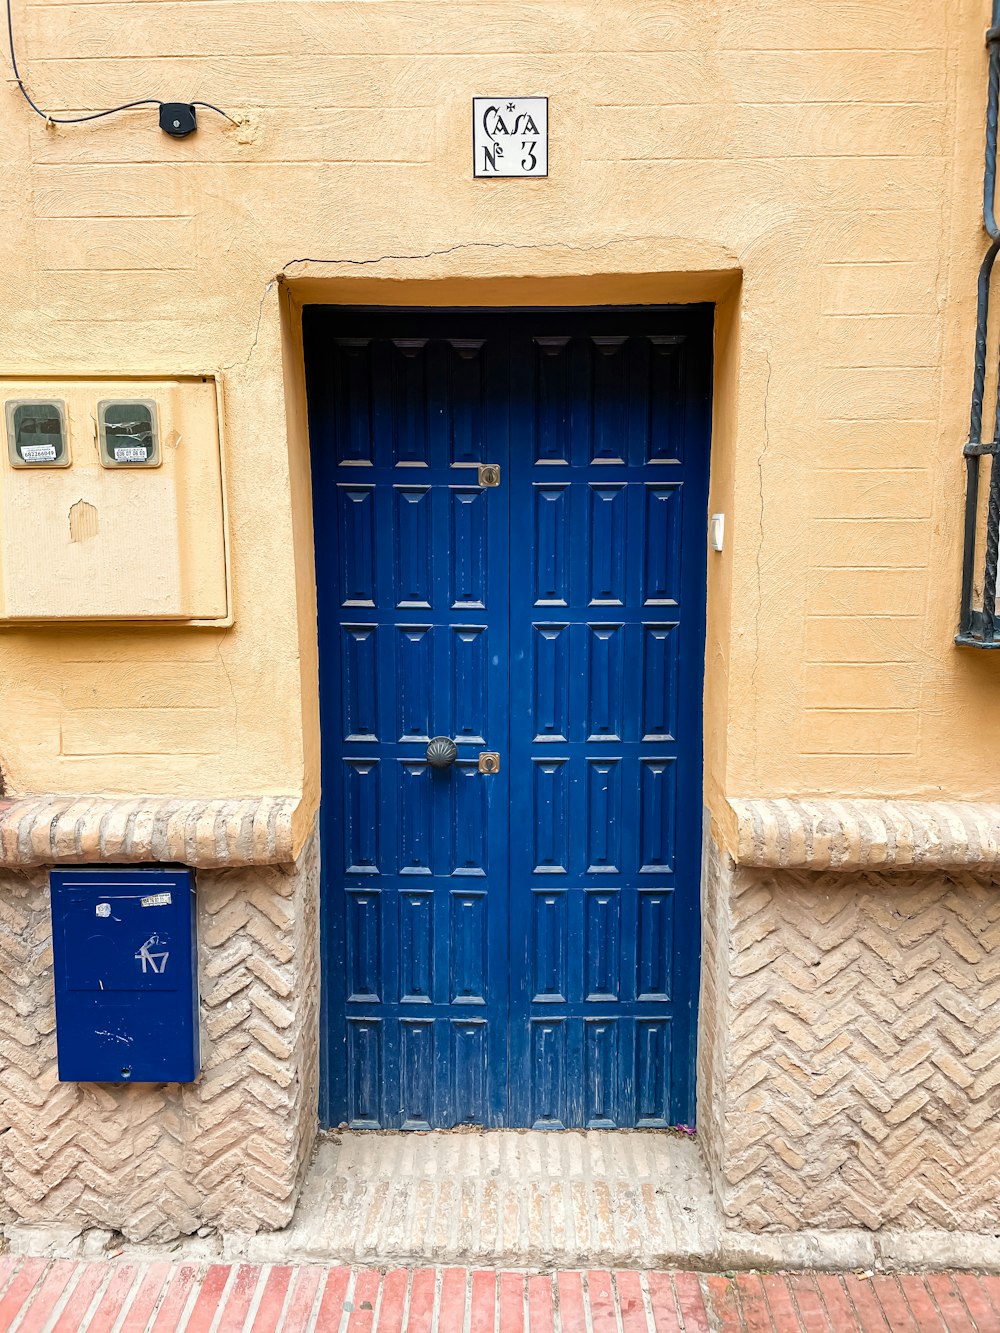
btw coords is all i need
(66, 830)
(866, 835)
(863, 835)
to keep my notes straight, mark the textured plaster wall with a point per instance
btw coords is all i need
(849, 1062)
(155, 1161)
(827, 151)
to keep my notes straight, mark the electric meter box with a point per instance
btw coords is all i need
(36, 434)
(124, 948)
(112, 504)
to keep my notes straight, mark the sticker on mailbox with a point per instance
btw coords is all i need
(156, 900)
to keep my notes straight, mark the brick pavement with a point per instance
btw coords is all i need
(127, 1296)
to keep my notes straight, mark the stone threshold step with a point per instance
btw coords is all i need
(526, 1200)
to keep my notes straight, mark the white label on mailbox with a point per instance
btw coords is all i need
(103, 909)
(38, 453)
(156, 900)
(510, 136)
(130, 453)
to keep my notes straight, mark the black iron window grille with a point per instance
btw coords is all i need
(978, 624)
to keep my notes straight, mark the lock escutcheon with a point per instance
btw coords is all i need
(489, 474)
(489, 762)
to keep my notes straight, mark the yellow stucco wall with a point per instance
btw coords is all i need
(814, 166)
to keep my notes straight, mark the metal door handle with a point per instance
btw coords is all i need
(441, 752)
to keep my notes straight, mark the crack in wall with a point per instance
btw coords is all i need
(256, 336)
(369, 261)
(229, 682)
(477, 245)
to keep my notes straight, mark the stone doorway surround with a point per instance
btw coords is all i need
(849, 1058)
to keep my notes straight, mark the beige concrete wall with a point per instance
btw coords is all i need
(816, 164)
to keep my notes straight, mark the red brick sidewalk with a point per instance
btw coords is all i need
(39, 1296)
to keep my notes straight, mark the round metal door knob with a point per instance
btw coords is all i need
(441, 752)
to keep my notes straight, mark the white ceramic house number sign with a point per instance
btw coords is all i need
(510, 136)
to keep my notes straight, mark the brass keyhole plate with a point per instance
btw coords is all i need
(489, 762)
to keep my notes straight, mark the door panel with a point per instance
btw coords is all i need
(546, 915)
(412, 578)
(609, 434)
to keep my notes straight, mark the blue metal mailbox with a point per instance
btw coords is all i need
(124, 945)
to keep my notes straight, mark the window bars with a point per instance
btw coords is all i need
(978, 624)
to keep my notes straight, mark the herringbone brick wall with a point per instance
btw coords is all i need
(156, 1161)
(850, 1049)
(713, 1012)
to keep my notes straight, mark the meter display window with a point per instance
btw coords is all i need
(36, 434)
(129, 437)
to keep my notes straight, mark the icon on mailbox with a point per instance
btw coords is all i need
(124, 947)
(156, 961)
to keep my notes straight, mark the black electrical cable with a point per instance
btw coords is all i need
(94, 115)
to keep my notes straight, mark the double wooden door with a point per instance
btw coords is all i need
(510, 531)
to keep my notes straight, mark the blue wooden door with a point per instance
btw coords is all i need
(517, 947)
(610, 424)
(412, 579)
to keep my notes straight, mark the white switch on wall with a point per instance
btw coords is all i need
(717, 531)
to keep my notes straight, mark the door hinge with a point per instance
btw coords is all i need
(489, 762)
(489, 474)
